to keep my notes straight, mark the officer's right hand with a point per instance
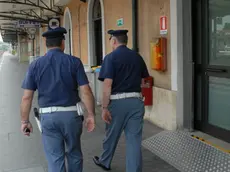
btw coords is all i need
(90, 123)
(106, 116)
(26, 126)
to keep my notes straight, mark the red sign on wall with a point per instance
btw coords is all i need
(163, 25)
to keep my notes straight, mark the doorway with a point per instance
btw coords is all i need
(96, 32)
(211, 52)
(97, 22)
(68, 37)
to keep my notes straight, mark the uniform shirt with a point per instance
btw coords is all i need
(56, 76)
(126, 68)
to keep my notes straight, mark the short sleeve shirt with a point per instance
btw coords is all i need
(126, 68)
(56, 76)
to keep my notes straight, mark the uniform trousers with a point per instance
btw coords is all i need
(61, 133)
(127, 115)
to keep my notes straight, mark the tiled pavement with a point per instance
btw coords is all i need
(25, 154)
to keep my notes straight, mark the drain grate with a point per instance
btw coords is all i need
(186, 153)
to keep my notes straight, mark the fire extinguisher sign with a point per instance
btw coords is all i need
(163, 25)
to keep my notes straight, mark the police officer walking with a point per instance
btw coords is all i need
(122, 72)
(57, 76)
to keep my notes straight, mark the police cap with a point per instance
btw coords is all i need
(117, 32)
(55, 33)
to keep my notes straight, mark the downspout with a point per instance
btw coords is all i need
(135, 24)
(70, 36)
(33, 47)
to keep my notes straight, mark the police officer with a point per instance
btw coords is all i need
(122, 72)
(57, 76)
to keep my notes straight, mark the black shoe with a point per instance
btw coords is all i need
(96, 161)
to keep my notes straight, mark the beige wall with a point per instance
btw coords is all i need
(78, 12)
(163, 111)
(115, 10)
(149, 14)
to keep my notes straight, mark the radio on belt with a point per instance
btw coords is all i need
(147, 91)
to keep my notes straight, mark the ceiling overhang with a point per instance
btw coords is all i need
(41, 4)
(12, 11)
(18, 17)
(31, 15)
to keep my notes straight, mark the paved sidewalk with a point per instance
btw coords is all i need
(25, 154)
(16, 151)
(92, 145)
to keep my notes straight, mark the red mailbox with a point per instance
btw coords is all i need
(147, 91)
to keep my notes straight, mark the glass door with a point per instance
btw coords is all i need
(211, 30)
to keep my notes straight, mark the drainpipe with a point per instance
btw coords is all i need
(33, 47)
(70, 36)
(135, 24)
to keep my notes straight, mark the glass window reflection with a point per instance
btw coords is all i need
(219, 33)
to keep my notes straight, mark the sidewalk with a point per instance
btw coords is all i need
(26, 153)
(16, 151)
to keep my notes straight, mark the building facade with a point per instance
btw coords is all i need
(87, 38)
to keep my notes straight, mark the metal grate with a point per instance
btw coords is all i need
(186, 153)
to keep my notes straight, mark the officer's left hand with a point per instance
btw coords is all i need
(106, 116)
(90, 123)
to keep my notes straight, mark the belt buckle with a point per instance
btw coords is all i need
(53, 109)
(122, 96)
(49, 110)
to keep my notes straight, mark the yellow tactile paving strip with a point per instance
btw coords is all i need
(214, 145)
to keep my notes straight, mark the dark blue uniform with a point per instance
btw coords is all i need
(57, 76)
(126, 68)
